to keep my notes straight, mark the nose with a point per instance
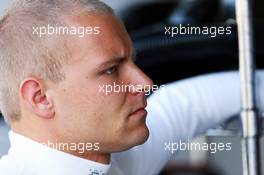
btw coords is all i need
(138, 78)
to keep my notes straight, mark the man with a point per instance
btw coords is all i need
(53, 79)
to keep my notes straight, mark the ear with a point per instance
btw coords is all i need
(34, 96)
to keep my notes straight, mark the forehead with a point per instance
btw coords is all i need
(111, 40)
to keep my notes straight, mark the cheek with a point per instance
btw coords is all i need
(72, 100)
(85, 104)
(114, 102)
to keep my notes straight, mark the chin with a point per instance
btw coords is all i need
(143, 136)
(139, 136)
(136, 137)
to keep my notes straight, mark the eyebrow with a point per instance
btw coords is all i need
(111, 62)
(116, 60)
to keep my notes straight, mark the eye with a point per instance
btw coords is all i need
(111, 70)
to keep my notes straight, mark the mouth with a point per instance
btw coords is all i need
(139, 112)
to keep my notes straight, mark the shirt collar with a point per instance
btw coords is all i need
(44, 156)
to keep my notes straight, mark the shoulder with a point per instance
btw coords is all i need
(10, 166)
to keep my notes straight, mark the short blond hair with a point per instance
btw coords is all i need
(23, 54)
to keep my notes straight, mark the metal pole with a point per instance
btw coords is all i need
(249, 115)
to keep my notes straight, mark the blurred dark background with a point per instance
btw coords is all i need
(167, 59)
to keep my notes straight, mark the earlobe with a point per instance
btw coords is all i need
(35, 99)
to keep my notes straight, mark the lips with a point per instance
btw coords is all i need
(139, 110)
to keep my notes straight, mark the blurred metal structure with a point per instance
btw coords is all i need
(249, 114)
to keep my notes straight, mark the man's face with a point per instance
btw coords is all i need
(83, 112)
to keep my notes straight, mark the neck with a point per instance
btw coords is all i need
(93, 156)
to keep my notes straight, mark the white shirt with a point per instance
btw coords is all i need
(27, 157)
(179, 112)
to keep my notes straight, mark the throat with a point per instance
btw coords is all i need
(94, 156)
